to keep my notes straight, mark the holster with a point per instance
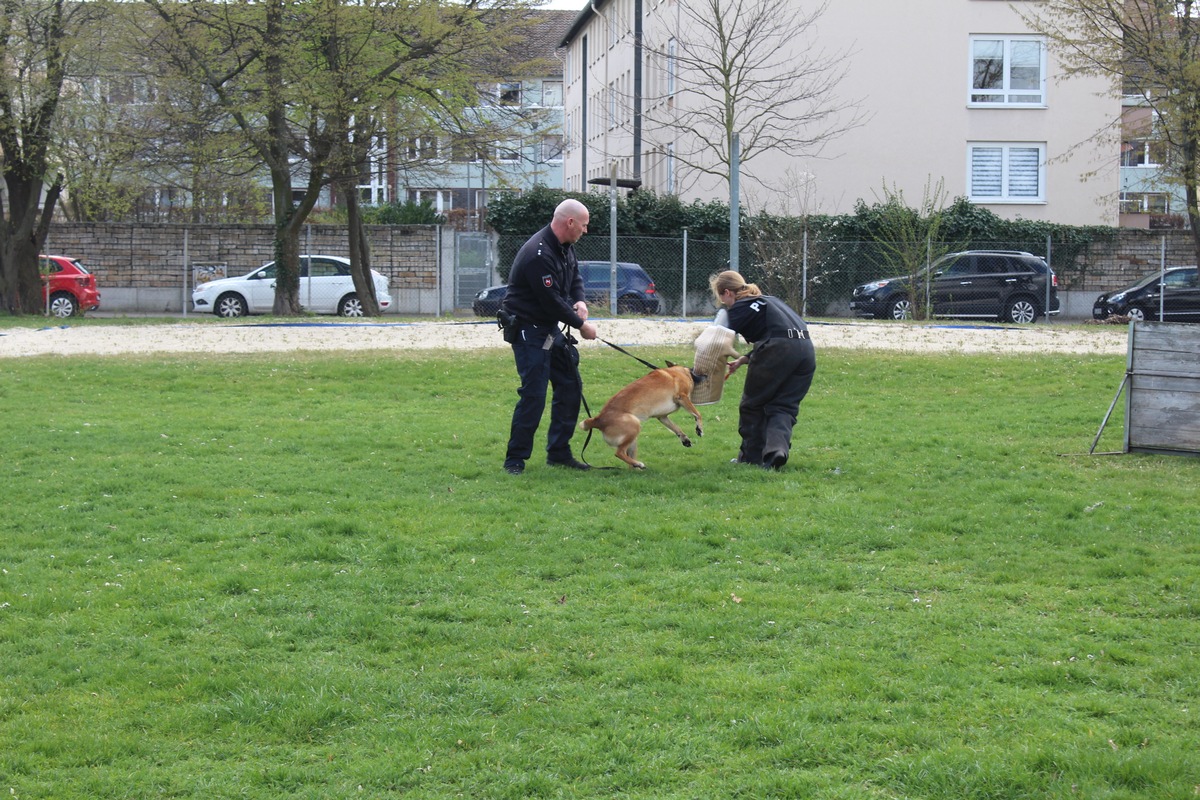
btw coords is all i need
(508, 325)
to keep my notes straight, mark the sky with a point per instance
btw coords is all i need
(564, 5)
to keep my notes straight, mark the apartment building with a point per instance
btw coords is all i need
(952, 91)
(456, 176)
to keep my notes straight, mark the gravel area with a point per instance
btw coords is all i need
(251, 337)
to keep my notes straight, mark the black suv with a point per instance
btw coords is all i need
(635, 291)
(1007, 285)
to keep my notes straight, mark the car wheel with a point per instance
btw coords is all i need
(1020, 310)
(63, 305)
(900, 308)
(1136, 313)
(351, 307)
(231, 305)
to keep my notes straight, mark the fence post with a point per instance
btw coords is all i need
(1050, 266)
(1162, 277)
(186, 261)
(685, 283)
(804, 276)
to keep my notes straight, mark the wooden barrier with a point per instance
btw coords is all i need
(1162, 398)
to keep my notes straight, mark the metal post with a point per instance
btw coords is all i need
(612, 239)
(308, 253)
(685, 283)
(1049, 266)
(185, 271)
(804, 277)
(1162, 279)
(734, 213)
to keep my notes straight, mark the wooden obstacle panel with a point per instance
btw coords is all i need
(1162, 397)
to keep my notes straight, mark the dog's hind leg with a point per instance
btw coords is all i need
(622, 433)
(627, 452)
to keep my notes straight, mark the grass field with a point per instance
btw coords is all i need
(308, 576)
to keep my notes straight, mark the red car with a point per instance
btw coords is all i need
(68, 288)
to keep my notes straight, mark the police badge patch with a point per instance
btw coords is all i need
(548, 281)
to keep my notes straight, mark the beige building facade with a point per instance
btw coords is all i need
(956, 92)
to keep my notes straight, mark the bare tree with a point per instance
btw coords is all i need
(37, 41)
(752, 68)
(1149, 49)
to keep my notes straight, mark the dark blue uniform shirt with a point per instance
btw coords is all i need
(545, 283)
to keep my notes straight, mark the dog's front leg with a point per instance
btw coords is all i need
(675, 429)
(687, 403)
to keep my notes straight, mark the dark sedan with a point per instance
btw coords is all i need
(636, 293)
(1173, 293)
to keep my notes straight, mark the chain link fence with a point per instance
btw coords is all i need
(816, 277)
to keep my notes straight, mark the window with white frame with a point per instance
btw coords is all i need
(552, 93)
(509, 94)
(1006, 172)
(422, 148)
(508, 151)
(1145, 203)
(552, 147)
(1142, 153)
(671, 66)
(1008, 70)
(441, 199)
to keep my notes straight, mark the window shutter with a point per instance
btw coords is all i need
(1023, 172)
(986, 170)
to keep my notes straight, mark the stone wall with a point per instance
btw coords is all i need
(1111, 264)
(144, 267)
(145, 256)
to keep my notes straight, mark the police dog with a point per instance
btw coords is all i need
(664, 391)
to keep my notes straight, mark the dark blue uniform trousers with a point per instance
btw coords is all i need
(780, 374)
(537, 368)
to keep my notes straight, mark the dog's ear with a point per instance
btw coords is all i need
(671, 364)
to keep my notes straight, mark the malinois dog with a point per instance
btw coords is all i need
(664, 391)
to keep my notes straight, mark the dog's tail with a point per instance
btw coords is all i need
(588, 424)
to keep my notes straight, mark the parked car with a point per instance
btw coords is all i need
(1007, 285)
(326, 287)
(68, 288)
(636, 293)
(1175, 289)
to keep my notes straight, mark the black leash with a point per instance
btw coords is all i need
(571, 342)
(626, 352)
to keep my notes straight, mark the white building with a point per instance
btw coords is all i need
(956, 91)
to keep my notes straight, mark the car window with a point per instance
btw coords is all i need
(960, 266)
(267, 273)
(992, 265)
(325, 268)
(1180, 279)
(50, 267)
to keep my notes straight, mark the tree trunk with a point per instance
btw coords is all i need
(22, 236)
(287, 249)
(360, 254)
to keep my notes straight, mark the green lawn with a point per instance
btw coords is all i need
(308, 576)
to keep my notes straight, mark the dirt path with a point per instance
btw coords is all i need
(251, 337)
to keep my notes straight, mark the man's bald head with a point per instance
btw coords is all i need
(570, 221)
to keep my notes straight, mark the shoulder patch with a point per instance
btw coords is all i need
(548, 281)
